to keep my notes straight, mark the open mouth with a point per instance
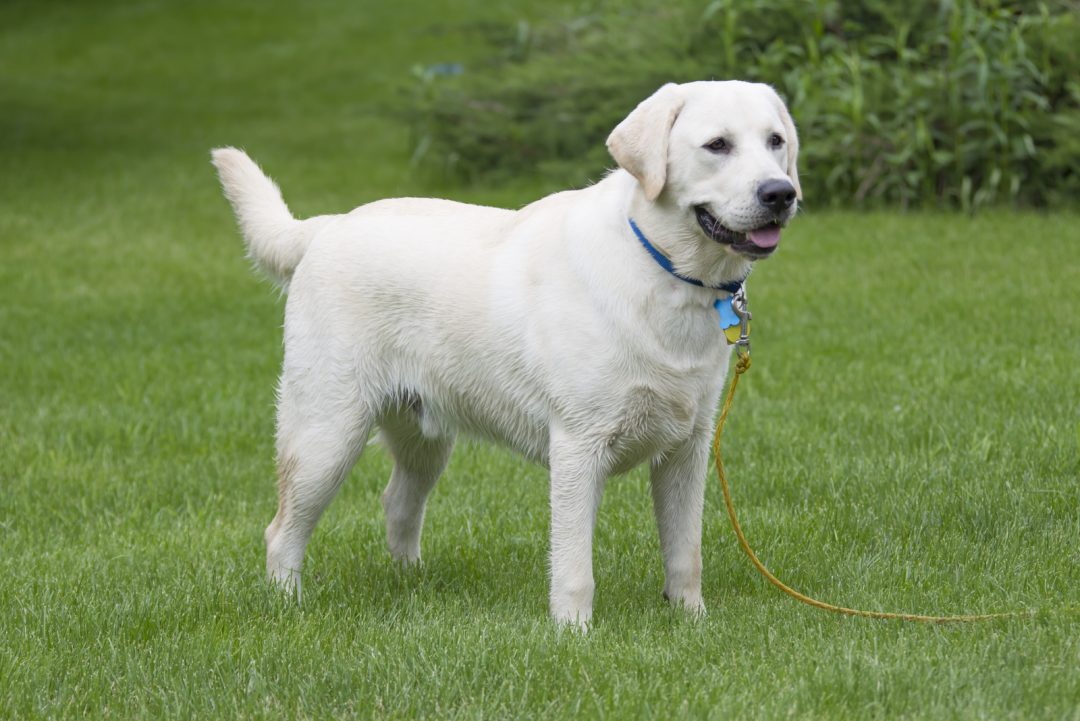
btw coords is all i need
(757, 243)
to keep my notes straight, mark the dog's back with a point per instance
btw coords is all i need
(277, 241)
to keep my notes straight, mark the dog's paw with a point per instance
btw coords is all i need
(286, 580)
(404, 548)
(573, 608)
(578, 621)
(406, 558)
(688, 601)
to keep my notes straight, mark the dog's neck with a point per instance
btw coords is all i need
(664, 262)
(674, 233)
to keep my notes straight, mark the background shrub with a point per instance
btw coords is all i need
(929, 102)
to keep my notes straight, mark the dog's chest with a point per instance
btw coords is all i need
(648, 419)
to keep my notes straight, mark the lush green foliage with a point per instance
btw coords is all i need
(926, 102)
(906, 439)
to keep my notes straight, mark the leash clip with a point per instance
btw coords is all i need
(741, 306)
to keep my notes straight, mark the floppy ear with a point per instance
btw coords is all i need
(792, 144)
(639, 143)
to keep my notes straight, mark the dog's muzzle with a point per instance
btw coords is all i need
(757, 243)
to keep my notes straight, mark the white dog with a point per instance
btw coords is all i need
(580, 330)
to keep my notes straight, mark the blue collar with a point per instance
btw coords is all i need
(664, 262)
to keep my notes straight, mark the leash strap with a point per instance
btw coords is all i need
(741, 366)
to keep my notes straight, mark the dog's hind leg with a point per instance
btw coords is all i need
(418, 463)
(320, 438)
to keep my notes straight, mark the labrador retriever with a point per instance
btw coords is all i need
(581, 330)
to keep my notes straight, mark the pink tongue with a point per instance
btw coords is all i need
(765, 237)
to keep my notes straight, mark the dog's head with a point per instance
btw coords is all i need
(720, 157)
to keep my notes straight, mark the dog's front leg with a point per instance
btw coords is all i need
(678, 491)
(578, 473)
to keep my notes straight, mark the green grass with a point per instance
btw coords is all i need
(909, 436)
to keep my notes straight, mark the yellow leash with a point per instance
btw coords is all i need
(741, 366)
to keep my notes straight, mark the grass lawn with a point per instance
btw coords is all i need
(908, 439)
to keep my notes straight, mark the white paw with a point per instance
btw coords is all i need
(285, 579)
(406, 557)
(404, 551)
(577, 620)
(689, 600)
(573, 607)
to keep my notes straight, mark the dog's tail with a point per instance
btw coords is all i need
(276, 241)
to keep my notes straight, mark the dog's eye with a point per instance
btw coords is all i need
(719, 145)
(775, 141)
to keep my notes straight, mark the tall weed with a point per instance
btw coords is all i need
(932, 102)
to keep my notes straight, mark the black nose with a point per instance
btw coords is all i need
(776, 195)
